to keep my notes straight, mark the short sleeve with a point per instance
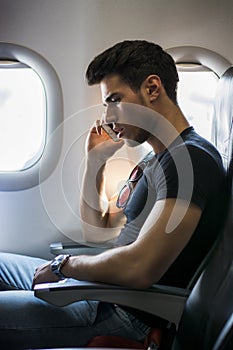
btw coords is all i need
(189, 173)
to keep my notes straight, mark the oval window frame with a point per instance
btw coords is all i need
(199, 55)
(29, 177)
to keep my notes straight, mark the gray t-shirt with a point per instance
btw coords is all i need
(191, 169)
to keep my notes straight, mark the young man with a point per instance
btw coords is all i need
(168, 212)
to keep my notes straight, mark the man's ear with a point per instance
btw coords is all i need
(152, 85)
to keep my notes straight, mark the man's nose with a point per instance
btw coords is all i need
(109, 116)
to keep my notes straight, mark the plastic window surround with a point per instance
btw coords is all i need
(199, 55)
(14, 181)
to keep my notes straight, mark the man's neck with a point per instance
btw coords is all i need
(168, 129)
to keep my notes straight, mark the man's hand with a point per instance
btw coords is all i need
(99, 143)
(43, 274)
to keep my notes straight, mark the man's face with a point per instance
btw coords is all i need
(115, 93)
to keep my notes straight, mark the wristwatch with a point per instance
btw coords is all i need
(57, 264)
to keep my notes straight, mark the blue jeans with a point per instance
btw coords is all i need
(28, 322)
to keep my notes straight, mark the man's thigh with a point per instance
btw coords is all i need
(27, 322)
(16, 271)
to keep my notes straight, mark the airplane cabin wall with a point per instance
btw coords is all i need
(68, 34)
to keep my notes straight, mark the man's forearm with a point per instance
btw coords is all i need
(91, 206)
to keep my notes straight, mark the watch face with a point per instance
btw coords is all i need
(56, 263)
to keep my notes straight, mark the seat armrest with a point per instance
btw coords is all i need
(75, 248)
(164, 301)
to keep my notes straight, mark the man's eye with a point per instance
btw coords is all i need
(115, 100)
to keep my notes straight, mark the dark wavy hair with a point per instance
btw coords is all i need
(134, 61)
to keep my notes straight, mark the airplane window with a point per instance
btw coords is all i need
(22, 116)
(31, 110)
(199, 71)
(196, 91)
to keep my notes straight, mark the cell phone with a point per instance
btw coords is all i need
(108, 129)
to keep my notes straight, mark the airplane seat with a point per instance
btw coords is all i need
(207, 316)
